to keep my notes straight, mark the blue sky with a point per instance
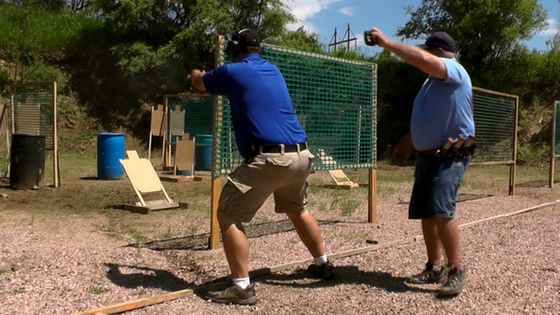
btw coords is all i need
(322, 16)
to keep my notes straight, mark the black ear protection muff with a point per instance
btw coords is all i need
(234, 45)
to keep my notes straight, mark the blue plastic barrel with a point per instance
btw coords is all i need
(110, 148)
(184, 172)
(203, 152)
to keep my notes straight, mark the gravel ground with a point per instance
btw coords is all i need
(63, 263)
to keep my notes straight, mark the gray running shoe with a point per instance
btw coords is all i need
(456, 278)
(431, 274)
(234, 295)
(324, 271)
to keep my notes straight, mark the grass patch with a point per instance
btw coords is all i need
(82, 194)
(350, 235)
(348, 206)
(18, 291)
(97, 290)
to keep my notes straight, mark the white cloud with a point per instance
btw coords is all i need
(307, 26)
(348, 11)
(553, 27)
(303, 10)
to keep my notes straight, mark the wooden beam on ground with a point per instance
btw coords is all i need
(180, 178)
(537, 207)
(135, 304)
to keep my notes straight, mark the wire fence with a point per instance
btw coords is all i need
(335, 100)
(495, 117)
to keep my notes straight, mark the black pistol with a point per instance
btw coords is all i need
(368, 39)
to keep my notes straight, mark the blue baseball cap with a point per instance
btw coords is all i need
(440, 40)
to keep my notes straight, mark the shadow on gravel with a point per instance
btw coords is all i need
(132, 277)
(200, 241)
(347, 275)
(136, 276)
(533, 184)
(462, 197)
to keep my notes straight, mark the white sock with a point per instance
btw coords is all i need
(242, 282)
(320, 260)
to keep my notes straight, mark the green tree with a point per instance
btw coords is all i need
(153, 33)
(149, 46)
(298, 39)
(554, 43)
(486, 30)
(29, 34)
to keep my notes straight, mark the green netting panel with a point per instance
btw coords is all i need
(198, 112)
(33, 112)
(335, 100)
(557, 128)
(494, 118)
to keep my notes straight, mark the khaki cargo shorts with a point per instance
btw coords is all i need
(284, 175)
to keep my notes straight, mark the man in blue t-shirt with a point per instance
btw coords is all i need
(276, 160)
(442, 132)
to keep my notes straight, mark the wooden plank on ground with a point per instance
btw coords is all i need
(154, 205)
(180, 178)
(135, 304)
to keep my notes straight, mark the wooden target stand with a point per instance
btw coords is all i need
(339, 177)
(157, 128)
(183, 159)
(183, 162)
(144, 179)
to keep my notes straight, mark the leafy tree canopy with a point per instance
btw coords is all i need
(298, 39)
(151, 33)
(30, 31)
(486, 30)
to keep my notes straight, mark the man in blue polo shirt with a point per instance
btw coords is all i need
(276, 160)
(442, 129)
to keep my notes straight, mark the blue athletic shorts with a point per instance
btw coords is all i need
(436, 186)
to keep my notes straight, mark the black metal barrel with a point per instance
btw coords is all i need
(27, 161)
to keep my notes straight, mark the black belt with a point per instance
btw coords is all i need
(452, 153)
(430, 152)
(277, 148)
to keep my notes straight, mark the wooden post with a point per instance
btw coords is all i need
(553, 146)
(372, 196)
(56, 172)
(513, 166)
(372, 174)
(12, 114)
(150, 136)
(214, 241)
(164, 148)
(217, 183)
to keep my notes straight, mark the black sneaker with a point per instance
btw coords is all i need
(234, 295)
(324, 271)
(431, 274)
(456, 278)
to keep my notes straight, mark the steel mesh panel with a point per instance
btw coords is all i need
(33, 112)
(198, 112)
(335, 100)
(557, 128)
(494, 117)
